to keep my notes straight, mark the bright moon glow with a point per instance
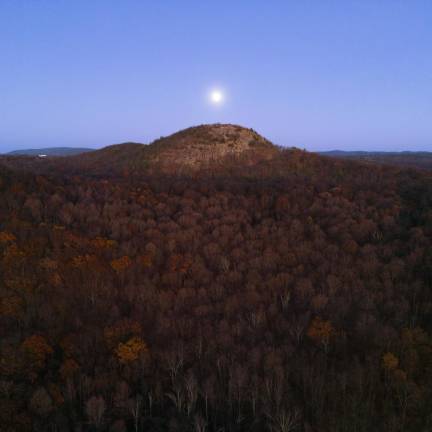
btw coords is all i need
(216, 97)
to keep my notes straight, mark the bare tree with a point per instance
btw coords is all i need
(95, 409)
(284, 421)
(191, 392)
(177, 397)
(200, 424)
(134, 406)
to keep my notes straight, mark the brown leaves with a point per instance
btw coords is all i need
(145, 260)
(392, 368)
(82, 261)
(321, 331)
(6, 237)
(12, 306)
(180, 263)
(37, 350)
(121, 264)
(12, 255)
(11, 360)
(390, 361)
(68, 368)
(48, 264)
(103, 243)
(20, 284)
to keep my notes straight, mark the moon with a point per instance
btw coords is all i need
(216, 97)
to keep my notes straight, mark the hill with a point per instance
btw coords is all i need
(51, 151)
(193, 149)
(206, 144)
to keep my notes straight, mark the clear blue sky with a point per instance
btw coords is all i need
(313, 74)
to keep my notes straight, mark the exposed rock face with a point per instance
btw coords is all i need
(201, 145)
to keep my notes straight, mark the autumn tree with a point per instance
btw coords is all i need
(321, 332)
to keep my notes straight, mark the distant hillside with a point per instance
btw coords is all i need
(51, 151)
(422, 160)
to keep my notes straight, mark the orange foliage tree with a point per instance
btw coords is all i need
(121, 264)
(131, 350)
(6, 237)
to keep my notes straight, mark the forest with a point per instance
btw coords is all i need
(281, 295)
(407, 159)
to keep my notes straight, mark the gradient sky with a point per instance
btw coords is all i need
(316, 74)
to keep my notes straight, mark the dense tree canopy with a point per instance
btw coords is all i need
(294, 296)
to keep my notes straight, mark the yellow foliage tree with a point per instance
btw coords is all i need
(390, 361)
(131, 350)
(103, 243)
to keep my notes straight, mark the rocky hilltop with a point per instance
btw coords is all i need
(200, 145)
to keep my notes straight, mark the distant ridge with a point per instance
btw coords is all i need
(374, 153)
(407, 159)
(51, 151)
